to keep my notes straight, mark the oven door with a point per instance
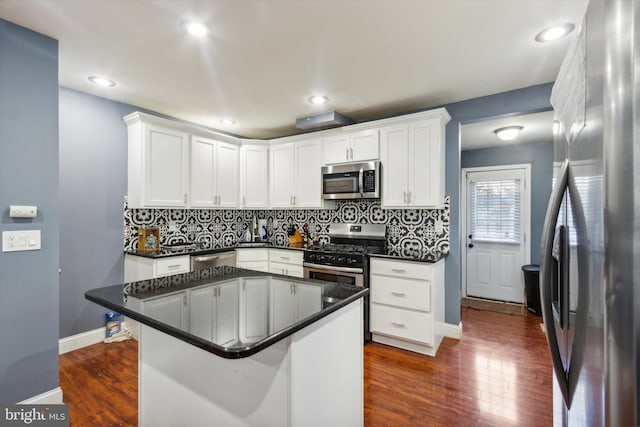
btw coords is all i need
(346, 275)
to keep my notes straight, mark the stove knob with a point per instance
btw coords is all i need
(341, 259)
(312, 257)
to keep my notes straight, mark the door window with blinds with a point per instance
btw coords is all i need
(495, 209)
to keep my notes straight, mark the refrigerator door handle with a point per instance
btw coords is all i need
(546, 276)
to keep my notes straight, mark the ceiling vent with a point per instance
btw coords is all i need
(323, 120)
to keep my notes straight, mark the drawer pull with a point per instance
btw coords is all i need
(398, 270)
(174, 266)
(284, 258)
(398, 294)
(399, 325)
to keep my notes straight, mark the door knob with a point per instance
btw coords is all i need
(470, 245)
(471, 236)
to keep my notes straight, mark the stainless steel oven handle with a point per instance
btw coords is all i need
(332, 268)
(361, 182)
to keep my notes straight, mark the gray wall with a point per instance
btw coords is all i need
(520, 101)
(93, 182)
(28, 175)
(540, 155)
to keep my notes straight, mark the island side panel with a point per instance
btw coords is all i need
(180, 384)
(327, 371)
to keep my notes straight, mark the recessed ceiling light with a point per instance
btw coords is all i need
(508, 133)
(554, 33)
(318, 99)
(102, 81)
(228, 122)
(195, 28)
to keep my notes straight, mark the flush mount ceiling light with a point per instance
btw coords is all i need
(508, 133)
(102, 81)
(554, 33)
(228, 122)
(195, 28)
(318, 99)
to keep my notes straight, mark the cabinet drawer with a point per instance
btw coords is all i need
(172, 265)
(286, 269)
(405, 293)
(401, 323)
(260, 254)
(285, 256)
(414, 270)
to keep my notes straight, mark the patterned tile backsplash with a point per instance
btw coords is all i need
(410, 232)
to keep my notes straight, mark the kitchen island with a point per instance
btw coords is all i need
(228, 346)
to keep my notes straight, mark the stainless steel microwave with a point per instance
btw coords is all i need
(351, 181)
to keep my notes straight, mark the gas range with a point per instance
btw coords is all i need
(349, 243)
(339, 255)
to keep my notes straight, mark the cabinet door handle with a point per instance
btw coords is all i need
(351, 153)
(398, 270)
(185, 199)
(409, 197)
(404, 197)
(398, 294)
(184, 299)
(244, 200)
(346, 153)
(399, 325)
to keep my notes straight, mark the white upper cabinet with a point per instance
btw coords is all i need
(412, 154)
(295, 174)
(169, 167)
(281, 166)
(214, 173)
(254, 176)
(308, 165)
(158, 165)
(352, 147)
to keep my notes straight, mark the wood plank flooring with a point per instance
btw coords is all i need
(498, 374)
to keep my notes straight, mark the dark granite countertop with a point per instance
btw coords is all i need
(426, 257)
(281, 306)
(166, 252)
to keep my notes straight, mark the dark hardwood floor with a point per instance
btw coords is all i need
(498, 374)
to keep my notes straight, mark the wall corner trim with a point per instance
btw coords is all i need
(51, 397)
(451, 331)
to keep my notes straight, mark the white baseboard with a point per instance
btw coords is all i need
(84, 339)
(51, 397)
(451, 331)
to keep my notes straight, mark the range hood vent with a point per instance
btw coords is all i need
(323, 120)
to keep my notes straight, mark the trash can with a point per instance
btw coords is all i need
(532, 287)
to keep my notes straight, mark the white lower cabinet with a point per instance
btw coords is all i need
(140, 268)
(407, 304)
(253, 259)
(287, 262)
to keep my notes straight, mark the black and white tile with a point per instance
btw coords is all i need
(410, 232)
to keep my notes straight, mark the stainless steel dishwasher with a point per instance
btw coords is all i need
(219, 259)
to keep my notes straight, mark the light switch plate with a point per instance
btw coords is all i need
(22, 240)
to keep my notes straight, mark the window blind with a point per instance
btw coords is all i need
(495, 210)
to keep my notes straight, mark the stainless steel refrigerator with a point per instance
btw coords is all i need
(590, 272)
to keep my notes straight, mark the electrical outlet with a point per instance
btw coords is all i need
(23, 240)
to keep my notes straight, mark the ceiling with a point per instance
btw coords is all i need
(536, 127)
(263, 59)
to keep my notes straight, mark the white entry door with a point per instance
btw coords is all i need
(497, 223)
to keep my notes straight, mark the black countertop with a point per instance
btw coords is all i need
(277, 305)
(163, 253)
(429, 258)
